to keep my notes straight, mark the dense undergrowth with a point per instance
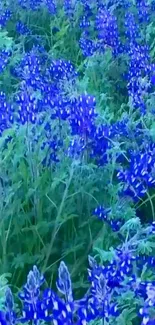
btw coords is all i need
(77, 163)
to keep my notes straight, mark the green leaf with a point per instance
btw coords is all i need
(127, 317)
(105, 255)
(145, 247)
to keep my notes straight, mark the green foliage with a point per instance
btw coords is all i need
(127, 317)
(5, 40)
(45, 214)
(4, 278)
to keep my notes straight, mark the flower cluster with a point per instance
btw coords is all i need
(51, 6)
(140, 68)
(62, 70)
(107, 29)
(131, 27)
(85, 22)
(105, 215)
(107, 283)
(29, 70)
(139, 75)
(22, 29)
(83, 115)
(87, 45)
(4, 59)
(28, 106)
(143, 10)
(6, 113)
(33, 308)
(139, 176)
(101, 144)
(145, 311)
(69, 7)
(52, 144)
(76, 147)
(30, 4)
(4, 17)
(28, 100)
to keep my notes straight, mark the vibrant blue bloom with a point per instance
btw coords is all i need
(84, 23)
(103, 280)
(101, 144)
(125, 4)
(132, 29)
(61, 312)
(28, 106)
(30, 4)
(51, 6)
(107, 29)
(52, 146)
(139, 75)
(87, 45)
(64, 282)
(30, 69)
(143, 10)
(76, 148)
(139, 177)
(4, 59)
(4, 17)
(9, 304)
(102, 213)
(69, 7)
(34, 308)
(143, 259)
(8, 317)
(82, 116)
(6, 113)
(61, 70)
(149, 303)
(22, 29)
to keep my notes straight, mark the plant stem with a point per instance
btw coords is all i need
(57, 226)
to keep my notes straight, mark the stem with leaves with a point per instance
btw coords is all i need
(57, 225)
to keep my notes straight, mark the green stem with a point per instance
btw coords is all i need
(84, 258)
(152, 207)
(137, 206)
(57, 226)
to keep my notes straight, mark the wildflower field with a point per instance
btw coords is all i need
(77, 162)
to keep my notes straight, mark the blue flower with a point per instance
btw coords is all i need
(104, 280)
(4, 17)
(30, 4)
(132, 29)
(61, 69)
(51, 6)
(84, 23)
(143, 10)
(149, 303)
(140, 174)
(64, 282)
(4, 59)
(22, 28)
(28, 107)
(76, 147)
(8, 317)
(34, 308)
(6, 113)
(107, 29)
(69, 8)
(83, 115)
(87, 45)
